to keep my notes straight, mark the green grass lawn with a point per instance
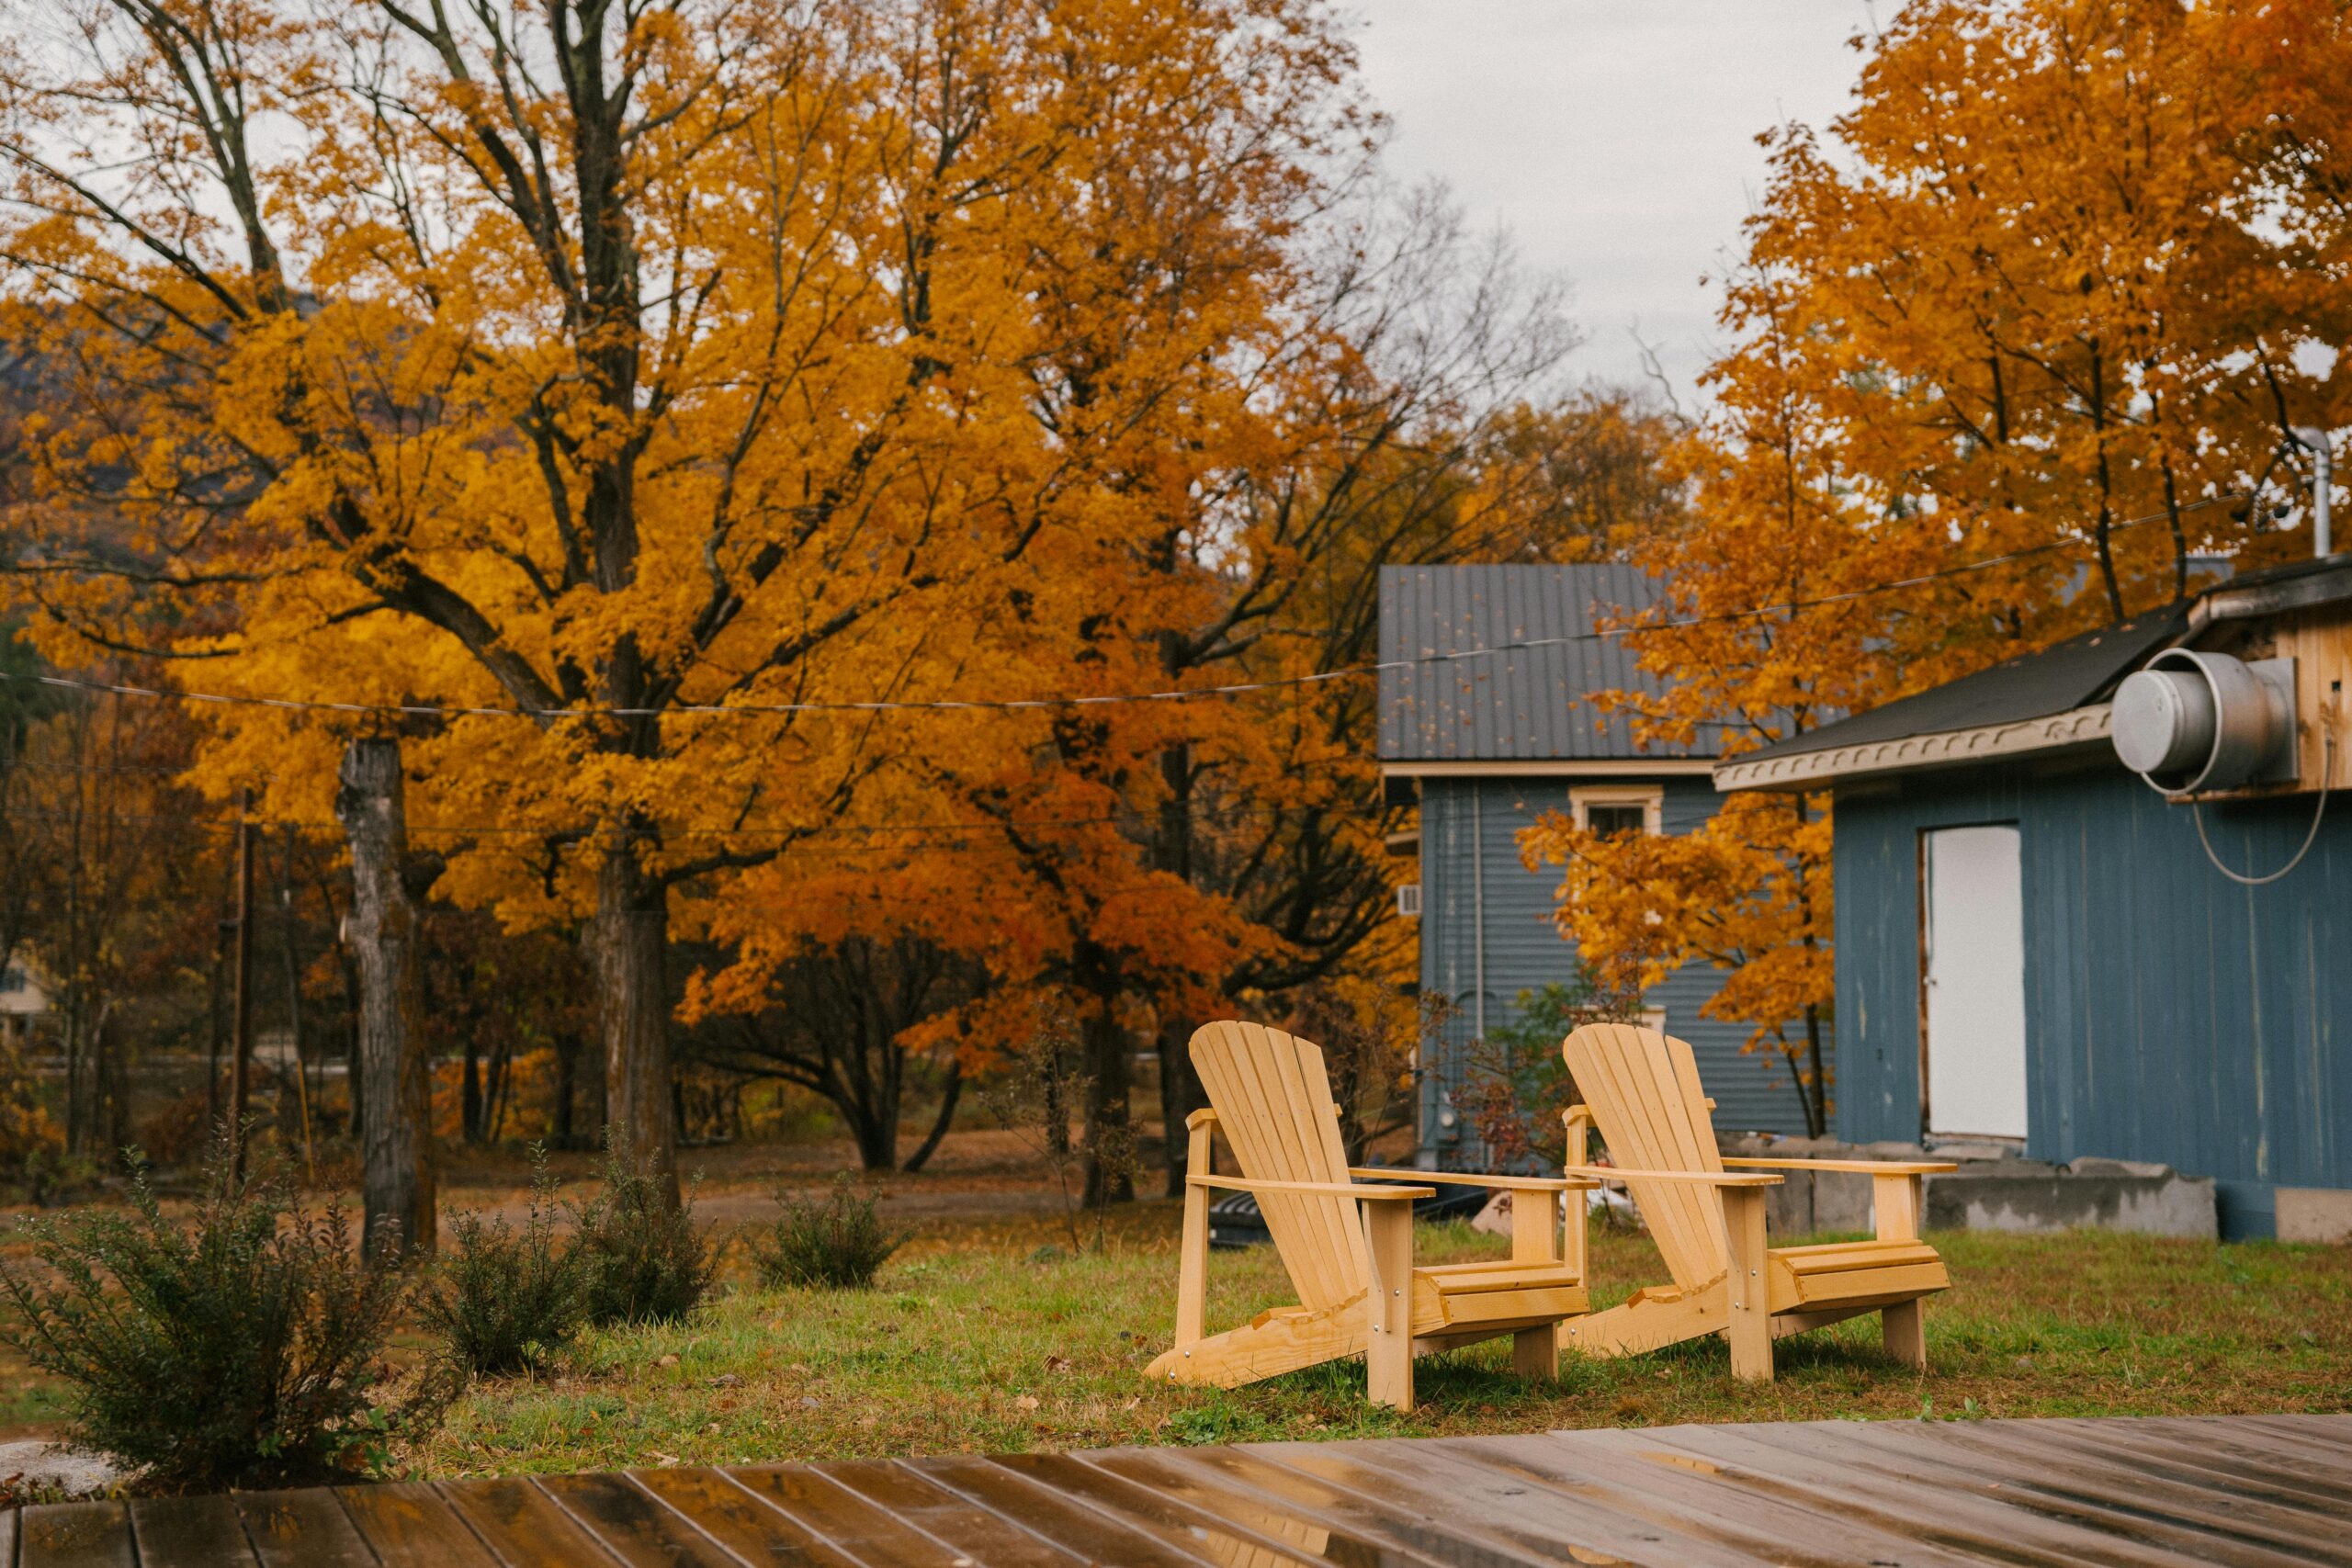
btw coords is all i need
(994, 1339)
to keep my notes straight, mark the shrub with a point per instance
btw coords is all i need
(240, 1349)
(29, 1142)
(641, 1260)
(504, 1300)
(839, 1244)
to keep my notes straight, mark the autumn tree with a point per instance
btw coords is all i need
(637, 379)
(2015, 344)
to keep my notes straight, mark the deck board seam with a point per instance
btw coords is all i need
(1178, 1505)
(628, 1478)
(810, 1527)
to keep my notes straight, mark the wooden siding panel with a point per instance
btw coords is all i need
(1525, 951)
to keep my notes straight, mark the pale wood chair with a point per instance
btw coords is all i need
(1347, 1243)
(1642, 1089)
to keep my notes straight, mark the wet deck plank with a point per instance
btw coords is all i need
(2259, 1492)
(191, 1532)
(76, 1535)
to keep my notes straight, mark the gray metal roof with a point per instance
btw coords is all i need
(1530, 705)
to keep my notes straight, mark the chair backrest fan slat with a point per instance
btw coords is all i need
(1643, 1090)
(1273, 1104)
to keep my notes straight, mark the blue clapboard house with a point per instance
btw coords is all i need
(1487, 744)
(2098, 901)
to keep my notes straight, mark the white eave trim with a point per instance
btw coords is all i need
(1523, 767)
(1950, 748)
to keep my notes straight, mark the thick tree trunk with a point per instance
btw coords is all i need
(633, 928)
(878, 1137)
(1110, 1136)
(395, 1086)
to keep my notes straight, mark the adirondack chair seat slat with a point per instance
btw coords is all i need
(1346, 1243)
(1642, 1092)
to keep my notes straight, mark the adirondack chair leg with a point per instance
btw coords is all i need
(1577, 1224)
(1535, 1240)
(1388, 1308)
(1903, 1328)
(1750, 1326)
(1193, 1252)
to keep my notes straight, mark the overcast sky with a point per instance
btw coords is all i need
(1615, 138)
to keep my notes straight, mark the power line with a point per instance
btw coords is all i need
(748, 831)
(1005, 704)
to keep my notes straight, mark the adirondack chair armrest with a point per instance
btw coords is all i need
(1702, 1178)
(1860, 1166)
(1370, 1191)
(1476, 1178)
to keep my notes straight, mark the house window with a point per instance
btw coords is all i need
(1618, 808)
(12, 978)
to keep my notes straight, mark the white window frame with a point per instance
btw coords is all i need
(1651, 798)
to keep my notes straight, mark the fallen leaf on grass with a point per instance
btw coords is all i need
(1057, 1364)
(668, 1360)
(1026, 1402)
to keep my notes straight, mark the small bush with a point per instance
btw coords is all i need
(31, 1144)
(839, 1244)
(242, 1349)
(502, 1300)
(641, 1260)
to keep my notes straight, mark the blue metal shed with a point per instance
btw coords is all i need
(1490, 742)
(2169, 1012)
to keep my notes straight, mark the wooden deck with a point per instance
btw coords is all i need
(2233, 1490)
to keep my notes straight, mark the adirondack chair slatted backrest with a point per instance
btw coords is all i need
(1643, 1090)
(1273, 1104)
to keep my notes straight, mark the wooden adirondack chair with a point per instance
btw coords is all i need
(1348, 1242)
(1642, 1089)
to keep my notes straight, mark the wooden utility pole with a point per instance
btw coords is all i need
(396, 1140)
(240, 1032)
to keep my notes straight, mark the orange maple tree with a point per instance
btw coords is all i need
(633, 372)
(2026, 331)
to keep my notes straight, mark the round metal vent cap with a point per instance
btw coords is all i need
(2193, 721)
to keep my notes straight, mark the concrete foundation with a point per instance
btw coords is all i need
(2314, 1213)
(1996, 1190)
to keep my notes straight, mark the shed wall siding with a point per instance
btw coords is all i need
(2171, 1014)
(1525, 951)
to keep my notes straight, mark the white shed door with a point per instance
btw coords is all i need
(1975, 982)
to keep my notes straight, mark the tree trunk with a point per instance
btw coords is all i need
(1180, 1093)
(1817, 1103)
(473, 1115)
(940, 1123)
(632, 927)
(396, 1136)
(567, 1073)
(1110, 1136)
(877, 1138)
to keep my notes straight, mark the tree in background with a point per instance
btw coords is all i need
(643, 359)
(2027, 335)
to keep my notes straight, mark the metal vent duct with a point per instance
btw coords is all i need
(2194, 722)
